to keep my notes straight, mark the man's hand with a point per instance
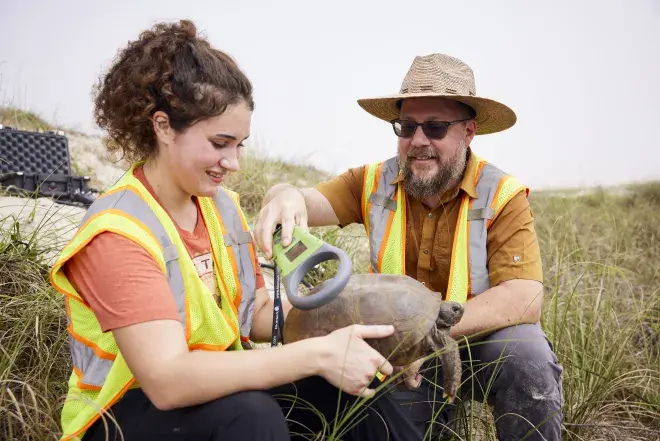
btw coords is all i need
(410, 374)
(287, 208)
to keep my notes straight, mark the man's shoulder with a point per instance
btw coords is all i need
(353, 177)
(499, 189)
(490, 174)
(483, 164)
(384, 169)
(390, 162)
(345, 191)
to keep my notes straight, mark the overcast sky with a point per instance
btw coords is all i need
(582, 76)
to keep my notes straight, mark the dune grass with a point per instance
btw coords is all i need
(33, 346)
(601, 255)
(22, 119)
(601, 258)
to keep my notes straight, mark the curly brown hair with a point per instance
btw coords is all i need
(171, 69)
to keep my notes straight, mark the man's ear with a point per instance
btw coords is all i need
(162, 128)
(471, 130)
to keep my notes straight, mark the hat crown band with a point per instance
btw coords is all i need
(438, 89)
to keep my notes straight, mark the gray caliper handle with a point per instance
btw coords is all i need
(330, 288)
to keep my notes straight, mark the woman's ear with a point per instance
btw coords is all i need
(162, 129)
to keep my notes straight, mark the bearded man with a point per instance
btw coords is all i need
(439, 213)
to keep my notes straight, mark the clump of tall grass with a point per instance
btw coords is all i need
(22, 119)
(602, 311)
(34, 354)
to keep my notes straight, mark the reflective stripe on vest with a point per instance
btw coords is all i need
(93, 369)
(135, 207)
(239, 240)
(468, 274)
(379, 208)
(479, 212)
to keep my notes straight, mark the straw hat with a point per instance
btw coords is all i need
(443, 76)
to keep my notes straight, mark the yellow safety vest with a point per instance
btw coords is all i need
(100, 375)
(384, 214)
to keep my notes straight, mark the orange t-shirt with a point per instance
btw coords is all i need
(124, 285)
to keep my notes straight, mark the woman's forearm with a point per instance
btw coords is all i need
(172, 376)
(198, 377)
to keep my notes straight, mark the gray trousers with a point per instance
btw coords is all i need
(515, 369)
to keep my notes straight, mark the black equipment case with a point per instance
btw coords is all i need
(39, 163)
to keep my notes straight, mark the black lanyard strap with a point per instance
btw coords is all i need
(278, 312)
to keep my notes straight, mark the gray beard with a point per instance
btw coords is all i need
(447, 174)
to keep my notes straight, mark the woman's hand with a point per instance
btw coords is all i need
(349, 363)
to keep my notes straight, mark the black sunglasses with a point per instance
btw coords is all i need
(404, 128)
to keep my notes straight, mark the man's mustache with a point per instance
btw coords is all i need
(431, 153)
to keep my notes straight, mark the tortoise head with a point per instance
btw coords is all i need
(449, 314)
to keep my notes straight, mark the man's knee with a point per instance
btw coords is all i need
(522, 378)
(515, 343)
(522, 357)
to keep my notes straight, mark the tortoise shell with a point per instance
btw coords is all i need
(378, 299)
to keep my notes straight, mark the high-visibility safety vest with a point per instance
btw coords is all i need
(100, 375)
(384, 214)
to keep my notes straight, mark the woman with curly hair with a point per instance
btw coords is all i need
(161, 282)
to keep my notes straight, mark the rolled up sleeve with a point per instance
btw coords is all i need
(344, 192)
(513, 248)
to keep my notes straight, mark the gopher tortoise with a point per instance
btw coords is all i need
(421, 320)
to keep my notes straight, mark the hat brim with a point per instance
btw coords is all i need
(492, 116)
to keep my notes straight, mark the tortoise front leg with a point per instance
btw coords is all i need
(451, 363)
